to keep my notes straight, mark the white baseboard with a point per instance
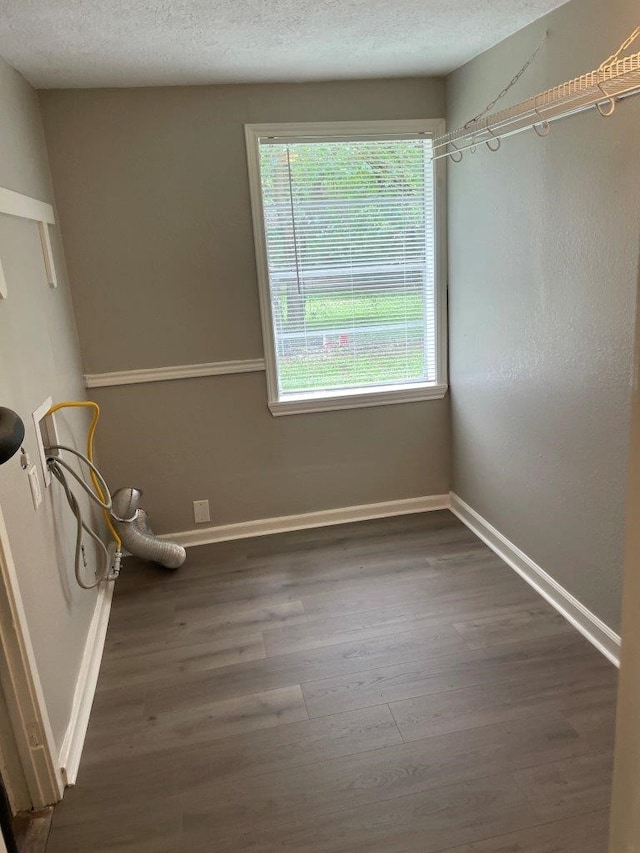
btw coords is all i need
(71, 750)
(302, 521)
(593, 628)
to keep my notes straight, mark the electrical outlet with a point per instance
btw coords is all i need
(201, 512)
(46, 435)
(34, 485)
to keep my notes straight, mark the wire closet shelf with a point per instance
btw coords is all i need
(615, 79)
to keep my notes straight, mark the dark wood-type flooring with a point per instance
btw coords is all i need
(31, 830)
(382, 687)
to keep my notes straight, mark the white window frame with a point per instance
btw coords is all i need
(322, 401)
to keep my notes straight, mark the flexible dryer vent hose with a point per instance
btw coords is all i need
(132, 525)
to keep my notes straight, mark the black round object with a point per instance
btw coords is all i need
(6, 820)
(11, 434)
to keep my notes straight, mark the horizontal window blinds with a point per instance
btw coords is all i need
(349, 227)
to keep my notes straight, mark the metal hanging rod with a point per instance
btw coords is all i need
(615, 79)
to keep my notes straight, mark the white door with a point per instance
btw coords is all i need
(29, 768)
(625, 811)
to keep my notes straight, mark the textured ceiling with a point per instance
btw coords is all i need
(71, 43)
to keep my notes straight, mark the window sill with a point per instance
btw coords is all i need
(299, 404)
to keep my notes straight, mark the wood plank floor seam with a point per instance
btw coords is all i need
(603, 814)
(354, 776)
(335, 815)
(524, 794)
(394, 720)
(342, 809)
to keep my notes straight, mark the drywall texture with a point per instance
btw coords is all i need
(153, 43)
(39, 357)
(153, 195)
(543, 259)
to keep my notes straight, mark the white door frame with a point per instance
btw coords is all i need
(625, 816)
(23, 695)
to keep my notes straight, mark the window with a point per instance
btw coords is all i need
(347, 242)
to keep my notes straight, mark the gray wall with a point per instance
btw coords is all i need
(543, 259)
(153, 195)
(39, 357)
